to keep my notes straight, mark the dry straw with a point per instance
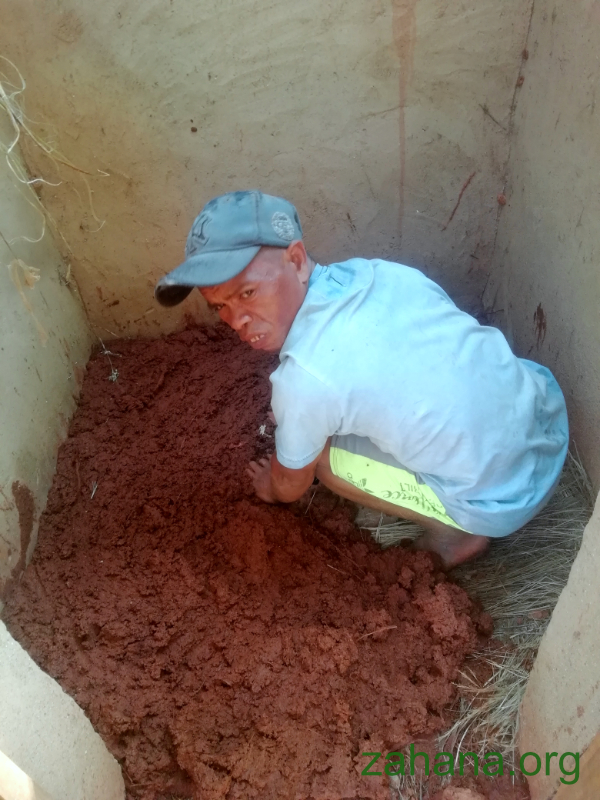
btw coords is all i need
(20, 127)
(22, 130)
(518, 582)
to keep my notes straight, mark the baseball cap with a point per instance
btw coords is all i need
(225, 237)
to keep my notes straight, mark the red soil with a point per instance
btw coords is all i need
(222, 647)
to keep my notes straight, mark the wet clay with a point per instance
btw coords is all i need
(222, 647)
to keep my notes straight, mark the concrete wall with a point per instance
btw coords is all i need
(561, 709)
(43, 351)
(548, 247)
(547, 282)
(370, 116)
(45, 733)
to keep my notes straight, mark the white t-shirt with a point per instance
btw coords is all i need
(380, 351)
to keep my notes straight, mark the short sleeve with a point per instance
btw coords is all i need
(307, 412)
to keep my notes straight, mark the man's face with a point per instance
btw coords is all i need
(262, 301)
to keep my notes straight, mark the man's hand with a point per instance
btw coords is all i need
(275, 483)
(260, 475)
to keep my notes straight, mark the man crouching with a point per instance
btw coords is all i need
(386, 392)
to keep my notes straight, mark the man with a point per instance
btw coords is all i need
(386, 392)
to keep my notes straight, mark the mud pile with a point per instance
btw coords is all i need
(222, 647)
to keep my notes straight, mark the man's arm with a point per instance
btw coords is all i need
(275, 483)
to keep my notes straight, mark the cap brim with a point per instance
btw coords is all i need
(171, 295)
(203, 269)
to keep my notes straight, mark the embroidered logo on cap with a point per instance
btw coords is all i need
(283, 226)
(196, 237)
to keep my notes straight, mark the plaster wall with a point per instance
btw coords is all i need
(561, 709)
(43, 351)
(45, 733)
(548, 247)
(371, 117)
(546, 271)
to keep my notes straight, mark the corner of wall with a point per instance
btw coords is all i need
(46, 342)
(546, 253)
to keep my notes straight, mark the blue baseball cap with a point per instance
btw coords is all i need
(225, 237)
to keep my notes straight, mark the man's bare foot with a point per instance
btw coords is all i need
(453, 547)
